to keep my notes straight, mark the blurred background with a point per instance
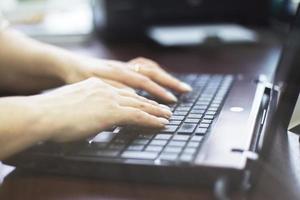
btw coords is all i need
(166, 22)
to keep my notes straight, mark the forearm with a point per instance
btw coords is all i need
(19, 129)
(28, 66)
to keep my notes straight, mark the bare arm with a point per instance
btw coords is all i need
(27, 66)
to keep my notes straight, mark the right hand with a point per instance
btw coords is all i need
(88, 107)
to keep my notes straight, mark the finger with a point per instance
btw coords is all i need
(139, 81)
(146, 107)
(147, 61)
(136, 80)
(134, 116)
(152, 70)
(163, 78)
(134, 95)
(119, 85)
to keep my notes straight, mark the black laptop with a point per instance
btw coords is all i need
(215, 135)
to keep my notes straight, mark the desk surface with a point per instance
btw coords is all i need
(280, 178)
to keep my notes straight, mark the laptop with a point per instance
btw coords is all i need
(215, 136)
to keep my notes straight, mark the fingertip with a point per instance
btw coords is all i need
(163, 121)
(167, 111)
(171, 97)
(185, 87)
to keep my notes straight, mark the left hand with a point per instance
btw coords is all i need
(139, 73)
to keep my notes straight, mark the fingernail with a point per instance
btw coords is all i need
(186, 87)
(171, 97)
(163, 121)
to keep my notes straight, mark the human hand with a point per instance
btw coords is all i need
(139, 73)
(86, 108)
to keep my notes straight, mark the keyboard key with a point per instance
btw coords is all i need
(168, 156)
(173, 122)
(172, 150)
(174, 117)
(181, 137)
(193, 144)
(190, 150)
(201, 131)
(208, 117)
(170, 129)
(210, 113)
(187, 104)
(186, 158)
(197, 138)
(206, 121)
(200, 107)
(212, 109)
(139, 155)
(204, 99)
(215, 105)
(194, 111)
(180, 113)
(103, 137)
(158, 142)
(195, 116)
(202, 125)
(202, 103)
(187, 128)
(219, 101)
(192, 121)
(183, 109)
(177, 143)
(154, 148)
(163, 136)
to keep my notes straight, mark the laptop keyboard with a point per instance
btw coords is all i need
(191, 122)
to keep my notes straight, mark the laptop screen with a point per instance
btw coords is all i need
(286, 86)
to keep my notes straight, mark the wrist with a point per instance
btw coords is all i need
(35, 114)
(21, 123)
(45, 124)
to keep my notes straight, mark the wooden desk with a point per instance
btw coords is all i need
(279, 180)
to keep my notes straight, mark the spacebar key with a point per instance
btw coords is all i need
(139, 155)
